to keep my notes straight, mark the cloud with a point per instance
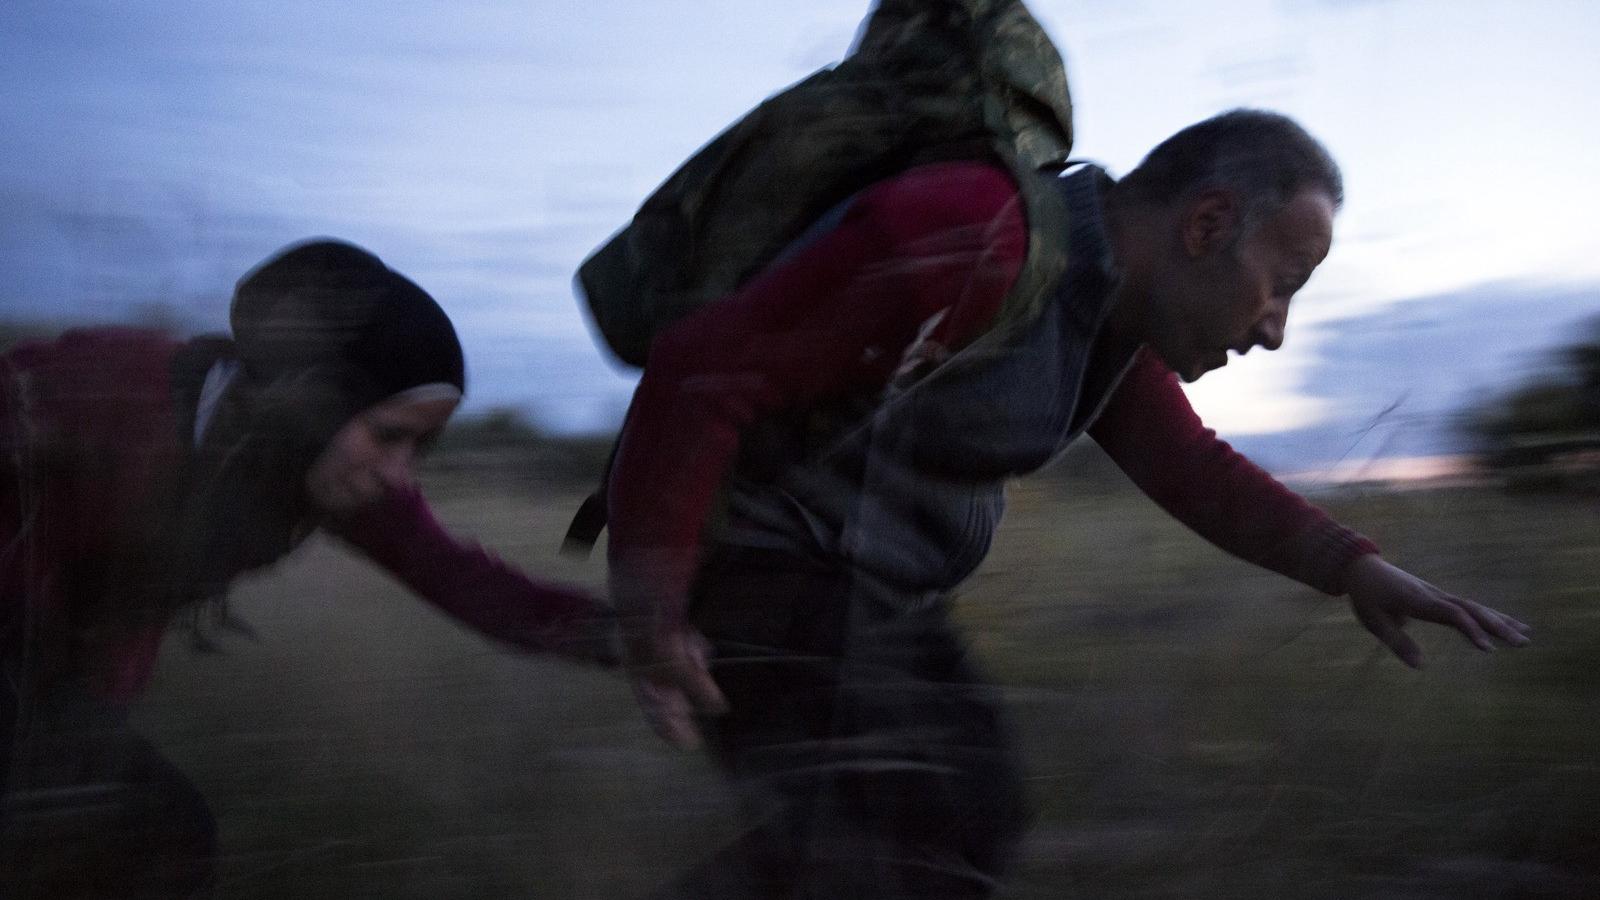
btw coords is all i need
(1395, 383)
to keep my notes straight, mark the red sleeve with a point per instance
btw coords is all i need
(107, 390)
(475, 587)
(833, 316)
(1154, 435)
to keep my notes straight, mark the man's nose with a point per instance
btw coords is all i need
(1269, 331)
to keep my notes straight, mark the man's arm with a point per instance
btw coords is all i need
(1149, 429)
(832, 317)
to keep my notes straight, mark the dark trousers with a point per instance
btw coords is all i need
(871, 754)
(89, 809)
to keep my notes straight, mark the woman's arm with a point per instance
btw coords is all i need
(474, 586)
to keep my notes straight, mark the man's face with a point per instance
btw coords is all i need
(1222, 293)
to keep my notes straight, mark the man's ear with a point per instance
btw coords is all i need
(1209, 221)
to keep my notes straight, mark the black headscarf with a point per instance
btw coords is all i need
(332, 317)
(321, 331)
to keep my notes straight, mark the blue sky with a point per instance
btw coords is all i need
(155, 150)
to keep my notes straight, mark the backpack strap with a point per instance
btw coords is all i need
(591, 518)
(587, 523)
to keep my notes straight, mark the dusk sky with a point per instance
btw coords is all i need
(156, 150)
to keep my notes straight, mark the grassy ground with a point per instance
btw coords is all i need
(1194, 728)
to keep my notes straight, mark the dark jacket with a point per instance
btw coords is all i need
(92, 477)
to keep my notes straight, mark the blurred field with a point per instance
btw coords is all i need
(1194, 727)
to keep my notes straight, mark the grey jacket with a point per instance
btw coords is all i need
(911, 492)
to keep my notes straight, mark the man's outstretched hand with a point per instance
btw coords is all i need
(1384, 597)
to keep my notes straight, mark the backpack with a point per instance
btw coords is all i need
(927, 80)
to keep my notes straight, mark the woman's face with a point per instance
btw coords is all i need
(375, 452)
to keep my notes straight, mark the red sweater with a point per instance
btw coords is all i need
(928, 254)
(102, 401)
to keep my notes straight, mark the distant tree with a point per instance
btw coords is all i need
(15, 331)
(1547, 430)
(502, 439)
(160, 315)
(499, 428)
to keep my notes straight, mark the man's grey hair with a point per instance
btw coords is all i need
(1264, 157)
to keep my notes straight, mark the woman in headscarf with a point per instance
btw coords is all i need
(143, 473)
